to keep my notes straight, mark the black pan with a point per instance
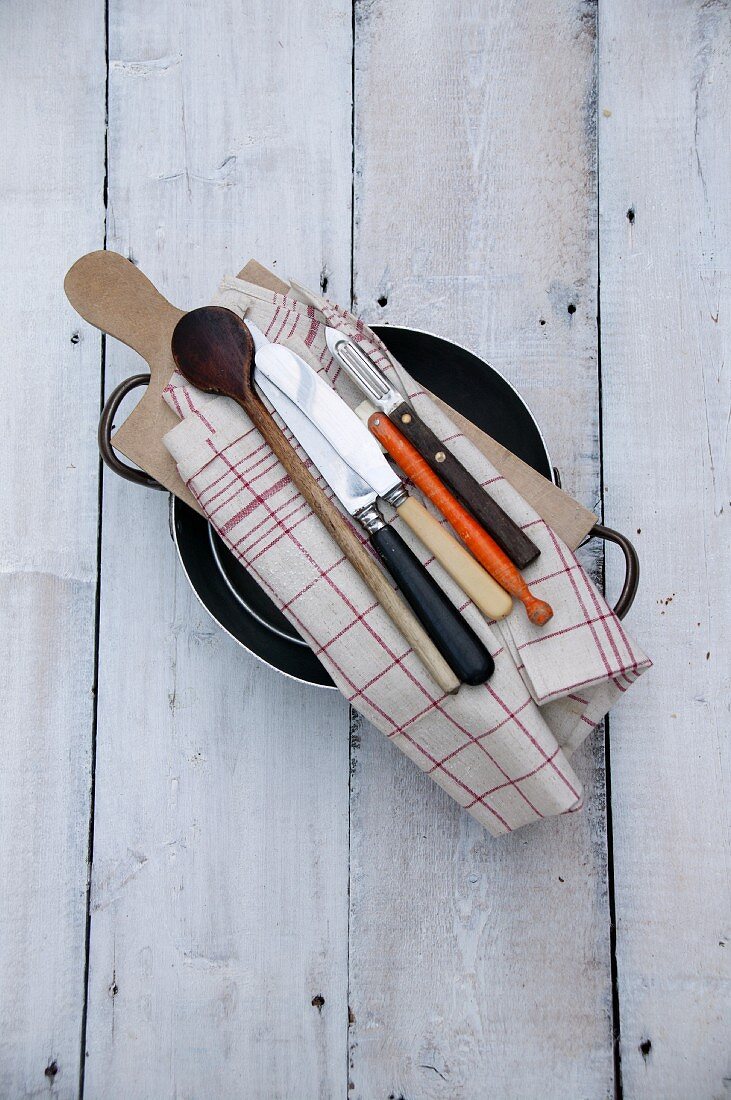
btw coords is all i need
(234, 598)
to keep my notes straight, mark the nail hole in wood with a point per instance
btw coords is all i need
(383, 301)
(631, 215)
(324, 280)
(75, 337)
(51, 1069)
(645, 1047)
(541, 322)
(318, 1002)
(572, 307)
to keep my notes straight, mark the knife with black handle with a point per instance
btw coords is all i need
(466, 655)
(376, 386)
(334, 438)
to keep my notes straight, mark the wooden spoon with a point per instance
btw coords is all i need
(214, 350)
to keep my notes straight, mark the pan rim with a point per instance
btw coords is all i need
(508, 383)
(174, 502)
(212, 534)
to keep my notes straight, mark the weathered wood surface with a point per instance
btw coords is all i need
(480, 969)
(219, 904)
(665, 136)
(50, 207)
(240, 871)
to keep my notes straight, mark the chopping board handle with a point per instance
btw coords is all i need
(113, 295)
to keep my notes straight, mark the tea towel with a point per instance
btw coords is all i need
(500, 749)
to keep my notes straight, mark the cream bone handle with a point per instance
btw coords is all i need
(474, 581)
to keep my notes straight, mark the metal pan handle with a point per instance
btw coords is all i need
(631, 560)
(106, 420)
(631, 564)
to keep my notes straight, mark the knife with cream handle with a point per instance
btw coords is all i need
(459, 645)
(358, 448)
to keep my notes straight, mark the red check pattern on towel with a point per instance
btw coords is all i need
(501, 750)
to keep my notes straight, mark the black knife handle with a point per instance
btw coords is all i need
(507, 534)
(455, 639)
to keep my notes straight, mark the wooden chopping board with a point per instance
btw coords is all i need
(112, 294)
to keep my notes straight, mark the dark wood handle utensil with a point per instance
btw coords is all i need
(507, 534)
(213, 349)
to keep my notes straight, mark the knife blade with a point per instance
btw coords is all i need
(455, 639)
(358, 447)
(375, 384)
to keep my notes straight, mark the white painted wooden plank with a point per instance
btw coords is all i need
(221, 838)
(664, 156)
(480, 967)
(50, 208)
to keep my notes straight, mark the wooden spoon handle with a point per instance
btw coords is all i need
(484, 548)
(351, 546)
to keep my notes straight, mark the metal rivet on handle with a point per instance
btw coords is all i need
(440, 456)
(405, 418)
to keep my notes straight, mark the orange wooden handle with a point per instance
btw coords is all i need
(484, 548)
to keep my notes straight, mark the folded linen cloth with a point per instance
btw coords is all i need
(500, 749)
